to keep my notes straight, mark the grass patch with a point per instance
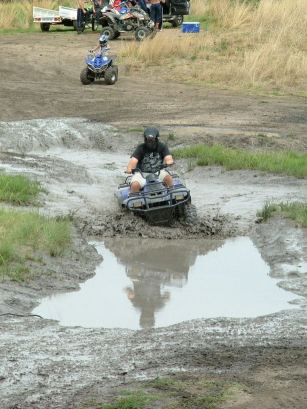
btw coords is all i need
(133, 400)
(18, 189)
(24, 235)
(178, 392)
(295, 211)
(194, 393)
(171, 136)
(288, 163)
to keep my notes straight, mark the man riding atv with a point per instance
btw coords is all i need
(148, 157)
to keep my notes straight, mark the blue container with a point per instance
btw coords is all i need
(190, 27)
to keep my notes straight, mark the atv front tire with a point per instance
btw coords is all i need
(141, 33)
(85, 78)
(190, 214)
(111, 74)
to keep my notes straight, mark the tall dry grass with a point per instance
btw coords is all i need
(18, 13)
(250, 44)
(279, 31)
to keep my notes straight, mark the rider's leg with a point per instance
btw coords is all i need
(135, 187)
(166, 178)
(137, 183)
(168, 181)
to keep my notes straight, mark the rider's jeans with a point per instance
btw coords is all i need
(80, 19)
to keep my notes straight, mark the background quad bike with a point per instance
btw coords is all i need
(140, 33)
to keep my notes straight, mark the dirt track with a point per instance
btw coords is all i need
(44, 365)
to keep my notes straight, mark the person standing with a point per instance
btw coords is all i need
(156, 12)
(97, 6)
(142, 4)
(81, 12)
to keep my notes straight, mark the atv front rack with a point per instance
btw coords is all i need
(158, 208)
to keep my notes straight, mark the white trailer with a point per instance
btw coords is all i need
(45, 17)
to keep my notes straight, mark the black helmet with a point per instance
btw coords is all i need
(151, 132)
(151, 136)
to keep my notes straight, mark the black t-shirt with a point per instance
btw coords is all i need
(150, 161)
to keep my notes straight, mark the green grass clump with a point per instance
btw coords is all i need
(18, 189)
(295, 211)
(133, 400)
(286, 162)
(177, 392)
(24, 236)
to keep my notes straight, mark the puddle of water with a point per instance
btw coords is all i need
(155, 283)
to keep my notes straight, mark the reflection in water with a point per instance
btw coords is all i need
(153, 283)
(153, 264)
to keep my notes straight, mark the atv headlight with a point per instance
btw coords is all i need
(179, 197)
(139, 203)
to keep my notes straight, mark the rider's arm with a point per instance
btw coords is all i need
(132, 164)
(96, 48)
(168, 160)
(166, 155)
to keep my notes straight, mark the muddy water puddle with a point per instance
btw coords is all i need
(155, 283)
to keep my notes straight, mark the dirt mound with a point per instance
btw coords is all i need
(43, 134)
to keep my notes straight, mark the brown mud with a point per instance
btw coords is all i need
(76, 139)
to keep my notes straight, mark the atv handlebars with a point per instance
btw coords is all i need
(135, 170)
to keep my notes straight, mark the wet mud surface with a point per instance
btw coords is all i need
(73, 152)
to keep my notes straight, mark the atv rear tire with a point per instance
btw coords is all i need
(45, 26)
(141, 33)
(108, 31)
(111, 74)
(190, 214)
(177, 21)
(85, 78)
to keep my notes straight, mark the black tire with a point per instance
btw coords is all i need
(177, 21)
(141, 33)
(108, 31)
(117, 34)
(111, 74)
(45, 26)
(85, 78)
(190, 214)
